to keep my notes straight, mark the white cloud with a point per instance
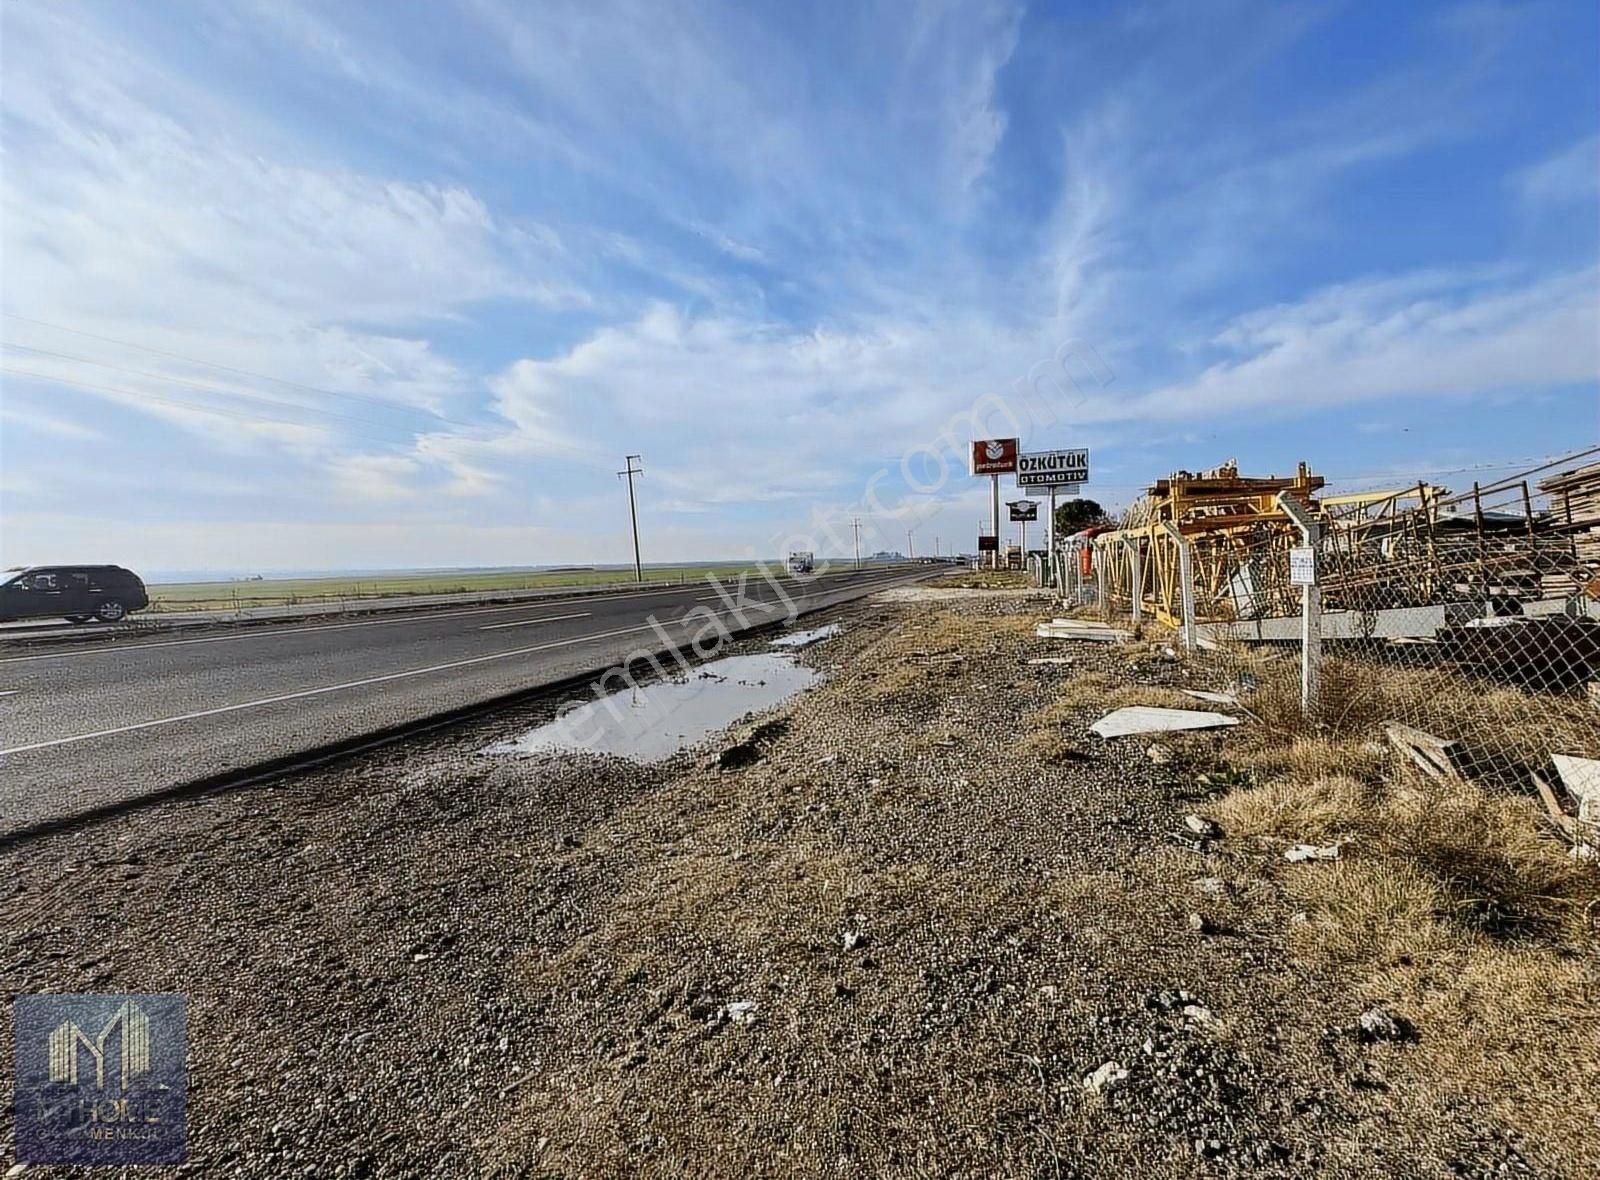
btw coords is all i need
(1426, 334)
(1568, 177)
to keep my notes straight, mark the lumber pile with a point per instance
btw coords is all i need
(1575, 506)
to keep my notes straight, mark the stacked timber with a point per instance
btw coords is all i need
(1575, 509)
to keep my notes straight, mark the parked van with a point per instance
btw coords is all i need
(76, 592)
(801, 563)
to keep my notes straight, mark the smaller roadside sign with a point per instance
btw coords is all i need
(994, 456)
(1302, 566)
(1023, 510)
(1046, 469)
(987, 543)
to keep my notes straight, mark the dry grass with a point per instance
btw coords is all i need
(1103, 692)
(985, 580)
(1050, 745)
(1452, 903)
(1503, 732)
(1309, 757)
(1319, 811)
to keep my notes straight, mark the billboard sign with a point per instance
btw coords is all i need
(994, 456)
(1023, 510)
(1047, 469)
(988, 543)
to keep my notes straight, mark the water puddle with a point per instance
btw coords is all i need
(807, 638)
(657, 720)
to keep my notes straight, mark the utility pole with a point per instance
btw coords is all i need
(633, 510)
(855, 524)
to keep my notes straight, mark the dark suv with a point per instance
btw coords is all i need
(107, 592)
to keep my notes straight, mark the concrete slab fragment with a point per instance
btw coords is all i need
(1080, 629)
(1145, 719)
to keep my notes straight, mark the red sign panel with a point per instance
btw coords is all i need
(987, 544)
(994, 456)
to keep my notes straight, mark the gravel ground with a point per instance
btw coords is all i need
(873, 933)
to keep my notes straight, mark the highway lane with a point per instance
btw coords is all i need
(91, 725)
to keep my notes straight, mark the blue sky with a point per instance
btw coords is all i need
(352, 286)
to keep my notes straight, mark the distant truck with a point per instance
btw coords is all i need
(801, 563)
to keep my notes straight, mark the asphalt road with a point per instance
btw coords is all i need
(90, 725)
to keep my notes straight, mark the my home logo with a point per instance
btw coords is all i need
(100, 1079)
(66, 1039)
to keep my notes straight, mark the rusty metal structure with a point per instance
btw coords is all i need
(1223, 539)
(1227, 528)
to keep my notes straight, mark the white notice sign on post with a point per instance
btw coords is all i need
(1302, 566)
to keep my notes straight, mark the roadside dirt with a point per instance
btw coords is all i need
(891, 934)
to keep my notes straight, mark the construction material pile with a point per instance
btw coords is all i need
(1575, 505)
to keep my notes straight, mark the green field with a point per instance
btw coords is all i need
(293, 591)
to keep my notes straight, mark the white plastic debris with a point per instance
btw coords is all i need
(1145, 719)
(1107, 1077)
(1202, 827)
(1302, 852)
(741, 1012)
(1055, 660)
(1581, 777)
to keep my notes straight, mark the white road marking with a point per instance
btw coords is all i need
(384, 679)
(267, 630)
(531, 622)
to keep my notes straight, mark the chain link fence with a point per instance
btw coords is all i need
(1464, 627)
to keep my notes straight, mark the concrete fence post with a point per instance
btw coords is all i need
(1185, 581)
(1310, 605)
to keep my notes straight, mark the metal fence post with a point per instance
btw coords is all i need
(1135, 579)
(1185, 581)
(1102, 583)
(1310, 605)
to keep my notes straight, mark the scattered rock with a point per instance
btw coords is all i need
(1158, 754)
(1215, 886)
(1204, 828)
(1107, 1077)
(1301, 852)
(853, 938)
(1379, 1023)
(1169, 1001)
(1200, 1014)
(1199, 924)
(740, 1012)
